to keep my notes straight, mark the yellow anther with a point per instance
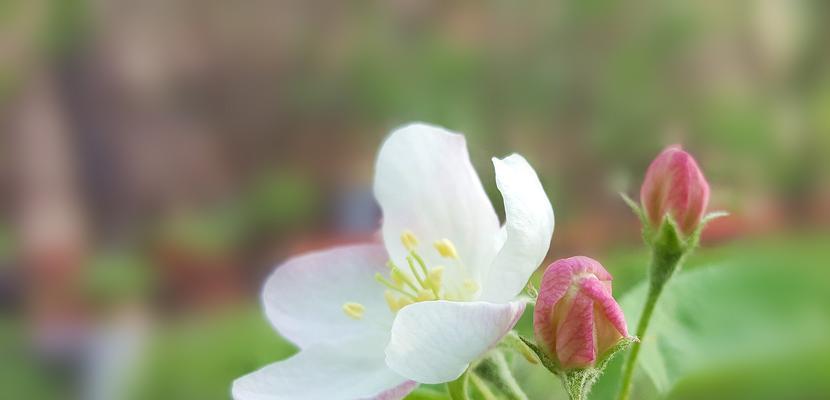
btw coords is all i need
(451, 295)
(409, 240)
(425, 295)
(391, 301)
(354, 310)
(394, 302)
(470, 286)
(434, 278)
(403, 302)
(446, 249)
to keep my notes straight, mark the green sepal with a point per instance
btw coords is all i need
(669, 247)
(578, 382)
(638, 211)
(543, 357)
(668, 250)
(622, 345)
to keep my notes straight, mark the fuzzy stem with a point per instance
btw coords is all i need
(642, 326)
(495, 372)
(667, 255)
(482, 388)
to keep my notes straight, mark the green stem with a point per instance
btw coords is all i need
(667, 255)
(482, 388)
(642, 326)
(495, 372)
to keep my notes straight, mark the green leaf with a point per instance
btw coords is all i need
(728, 318)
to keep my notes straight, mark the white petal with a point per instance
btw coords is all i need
(435, 341)
(425, 183)
(529, 226)
(304, 297)
(353, 369)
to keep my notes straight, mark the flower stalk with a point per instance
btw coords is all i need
(667, 255)
(492, 379)
(673, 200)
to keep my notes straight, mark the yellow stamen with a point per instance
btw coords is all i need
(470, 286)
(446, 249)
(425, 295)
(403, 302)
(397, 288)
(409, 240)
(414, 272)
(421, 263)
(391, 301)
(354, 310)
(434, 278)
(395, 303)
(399, 277)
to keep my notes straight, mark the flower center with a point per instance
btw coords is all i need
(420, 282)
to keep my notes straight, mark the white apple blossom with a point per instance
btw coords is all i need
(371, 321)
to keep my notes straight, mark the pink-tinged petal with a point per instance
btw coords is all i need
(425, 183)
(674, 184)
(555, 283)
(575, 346)
(398, 392)
(435, 341)
(528, 228)
(304, 297)
(609, 321)
(601, 295)
(349, 370)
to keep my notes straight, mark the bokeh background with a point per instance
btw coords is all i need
(160, 157)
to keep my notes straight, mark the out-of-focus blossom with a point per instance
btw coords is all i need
(674, 185)
(576, 319)
(373, 320)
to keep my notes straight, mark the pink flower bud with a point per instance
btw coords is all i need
(675, 185)
(576, 319)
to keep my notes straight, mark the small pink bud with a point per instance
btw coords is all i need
(675, 185)
(576, 318)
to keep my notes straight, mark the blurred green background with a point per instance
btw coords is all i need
(159, 158)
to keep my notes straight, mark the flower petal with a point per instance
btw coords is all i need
(610, 321)
(529, 226)
(424, 183)
(349, 370)
(575, 346)
(435, 341)
(304, 297)
(555, 282)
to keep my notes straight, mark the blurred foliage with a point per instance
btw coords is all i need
(280, 201)
(199, 358)
(22, 376)
(752, 311)
(735, 318)
(214, 231)
(117, 276)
